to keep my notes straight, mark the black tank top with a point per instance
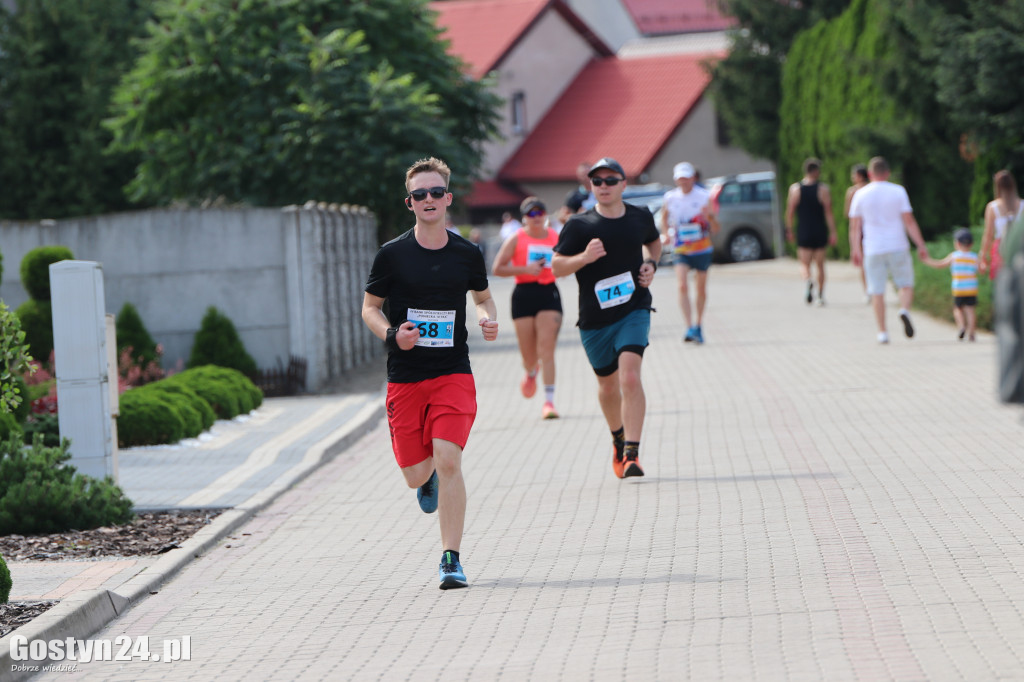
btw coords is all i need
(809, 212)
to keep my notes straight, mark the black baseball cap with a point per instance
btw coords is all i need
(963, 236)
(530, 203)
(609, 163)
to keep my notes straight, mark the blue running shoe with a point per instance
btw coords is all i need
(698, 335)
(690, 335)
(450, 573)
(427, 494)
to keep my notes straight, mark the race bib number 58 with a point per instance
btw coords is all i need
(437, 327)
(613, 291)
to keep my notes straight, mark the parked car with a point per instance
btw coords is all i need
(747, 213)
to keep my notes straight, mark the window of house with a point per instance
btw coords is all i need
(519, 113)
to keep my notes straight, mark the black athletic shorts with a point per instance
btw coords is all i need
(812, 238)
(961, 301)
(530, 298)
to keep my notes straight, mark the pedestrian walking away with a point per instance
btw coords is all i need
(963, 266)
(811, 203)
(424, 276)
(613, 250)
(999, 214)
(687, 210)
(536, 304)
(882, 212)
(859, 178)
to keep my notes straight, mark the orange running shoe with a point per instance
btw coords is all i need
(631, 466)
(528, 386)
(618, 462)
(548, 411)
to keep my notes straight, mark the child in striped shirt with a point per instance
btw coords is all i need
(963, 265)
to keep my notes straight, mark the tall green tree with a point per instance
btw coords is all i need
(975, 49)
(854, 87)
(746, 86)
(59, 62)
(278, 103)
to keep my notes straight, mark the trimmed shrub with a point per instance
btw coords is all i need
(190, 416)
(23, 409)
(206, 414)
(37, 322)
(5, 582)
(221, 397)
(9, 425)
(132, 332)
(35, 270)
(41, 493)
(217, 343)
(46, 424)
(249, 395)
(148, 418)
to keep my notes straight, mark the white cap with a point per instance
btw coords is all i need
(683, 170)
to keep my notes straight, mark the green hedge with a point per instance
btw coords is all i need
(183, 405)
(41, 493)
(8, 425)
(148, 418)
(848, 94)
(35, 269)
(131, 331)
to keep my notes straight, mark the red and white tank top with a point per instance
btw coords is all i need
(529, 249)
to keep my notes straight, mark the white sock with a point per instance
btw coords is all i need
(549, 393)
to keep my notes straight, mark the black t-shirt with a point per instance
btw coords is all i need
(428, 287)
(611, 280)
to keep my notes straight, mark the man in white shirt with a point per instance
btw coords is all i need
(509, 226)
(881, 212)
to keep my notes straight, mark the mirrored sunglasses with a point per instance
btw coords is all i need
(421, 194)
(535, 212)
(611, 182)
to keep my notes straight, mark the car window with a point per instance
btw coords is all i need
(730, 194)
(763, 191)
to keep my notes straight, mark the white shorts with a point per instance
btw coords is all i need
(879, 266)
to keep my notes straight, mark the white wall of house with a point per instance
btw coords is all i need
(541, 66)
(696, 141)
(608, 19)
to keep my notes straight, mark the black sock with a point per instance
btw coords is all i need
(444, 555)
(618, 438)
(631, 448)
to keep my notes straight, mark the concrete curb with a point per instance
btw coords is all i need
(85, 613)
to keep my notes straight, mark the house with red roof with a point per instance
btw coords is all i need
(569, 98)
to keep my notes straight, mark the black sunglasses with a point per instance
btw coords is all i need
(611, 182)
(421, 194)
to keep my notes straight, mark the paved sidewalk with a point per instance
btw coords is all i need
(816, 507)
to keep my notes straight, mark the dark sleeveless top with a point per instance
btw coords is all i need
(812, 231)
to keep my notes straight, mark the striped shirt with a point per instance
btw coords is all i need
(964, 269)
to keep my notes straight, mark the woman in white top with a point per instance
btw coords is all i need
(999, 214)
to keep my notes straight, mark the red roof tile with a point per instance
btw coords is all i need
(493, 193)
(660, 17)
(626, 109)
(482, 32)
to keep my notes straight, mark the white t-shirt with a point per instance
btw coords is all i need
(881, 205)
(509, 228)
(682, 208)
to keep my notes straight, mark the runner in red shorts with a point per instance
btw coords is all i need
(424, 275)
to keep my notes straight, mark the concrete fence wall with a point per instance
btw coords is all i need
(290, 279)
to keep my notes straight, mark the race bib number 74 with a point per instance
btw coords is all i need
(613, 291)
(437, 327)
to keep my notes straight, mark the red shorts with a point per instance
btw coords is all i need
(443, 408)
